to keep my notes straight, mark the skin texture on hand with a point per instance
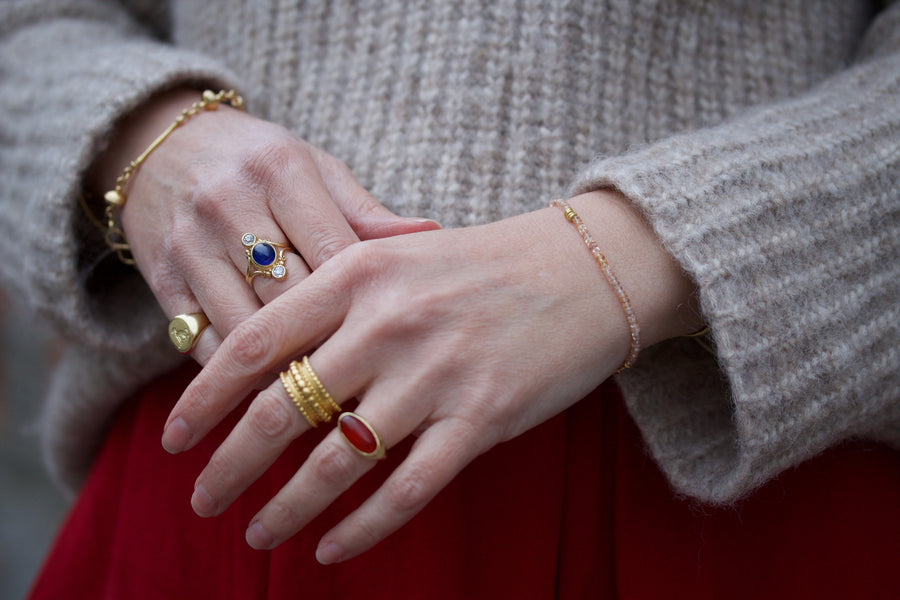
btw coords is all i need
(222, 174)
(464, 338)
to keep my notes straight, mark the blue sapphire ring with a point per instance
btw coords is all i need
(264, 258)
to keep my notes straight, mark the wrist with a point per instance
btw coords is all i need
(134, 133)
(662, 296)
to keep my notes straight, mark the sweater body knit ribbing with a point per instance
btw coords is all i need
(761, 141)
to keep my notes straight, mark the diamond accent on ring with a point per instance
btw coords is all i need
(279, 271)
(248, 239)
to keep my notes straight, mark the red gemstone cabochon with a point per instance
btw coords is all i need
(357, 433)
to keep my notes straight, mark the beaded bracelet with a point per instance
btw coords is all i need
(115, 198)
(633, 327)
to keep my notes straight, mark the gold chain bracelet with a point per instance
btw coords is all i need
(115, 198)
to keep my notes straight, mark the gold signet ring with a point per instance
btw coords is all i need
(185, 330)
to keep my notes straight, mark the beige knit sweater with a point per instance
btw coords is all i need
(761, 140)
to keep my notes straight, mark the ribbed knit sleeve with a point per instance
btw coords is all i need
(70, 69)
(788, 219)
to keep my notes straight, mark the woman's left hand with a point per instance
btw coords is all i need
(465, 338)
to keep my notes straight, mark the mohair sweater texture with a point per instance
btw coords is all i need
(761, 140)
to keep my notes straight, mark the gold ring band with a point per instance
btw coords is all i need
(185, 330)
(321, 393)
(308, 394)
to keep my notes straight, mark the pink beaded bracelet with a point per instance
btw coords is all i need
(633, 327)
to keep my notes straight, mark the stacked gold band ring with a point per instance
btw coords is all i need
(308, 394)
(185, 330)
(317, 406)
(264, 258)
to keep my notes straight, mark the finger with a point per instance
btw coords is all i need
(334, 465)
(370, 229)
(184, 302)
(301, 204)
(224, 296)
(207, 344)
(438, 455)
(262, 344)
(269, 288)
(269, 425)
(271, 422)
(202, 281)
(331, 468)
(369, 218)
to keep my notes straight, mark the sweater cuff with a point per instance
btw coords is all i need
(67, 107)
(787, 220)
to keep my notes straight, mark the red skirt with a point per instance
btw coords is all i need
(571, 509)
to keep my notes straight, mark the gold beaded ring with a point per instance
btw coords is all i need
(323, 415)
(321, 393)
(300, 401)
(308, 394)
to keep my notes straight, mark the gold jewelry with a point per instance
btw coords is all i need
(185, 330)
(322, 394)
(361, 436)
(633, 328)
(699, 333)
(300, 400)
(115, 198)
(308, 394)
(264, 258)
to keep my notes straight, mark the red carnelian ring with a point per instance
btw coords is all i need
(361, 436)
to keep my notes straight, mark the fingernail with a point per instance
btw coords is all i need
(203, 503)
(329, 553)
(176, 436)
(258, 537)
(429, 221)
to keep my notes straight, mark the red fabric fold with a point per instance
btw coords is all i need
(571, 509)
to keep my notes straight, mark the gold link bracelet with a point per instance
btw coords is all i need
(115, 198)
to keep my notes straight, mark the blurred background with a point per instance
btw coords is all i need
(31, 506)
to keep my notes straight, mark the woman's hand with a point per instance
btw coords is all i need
(220, 175)
(465, 338)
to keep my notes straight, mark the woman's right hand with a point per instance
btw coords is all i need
(220, 175)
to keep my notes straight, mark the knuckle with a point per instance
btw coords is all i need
(167, 286)
(283, 515)
(220, 473)
(211, 200)
(326, 242)
(269, 416)
(411, 491)
(269, 161)
(365, 260)
(369, 532)
(334, 465)
(251, 344)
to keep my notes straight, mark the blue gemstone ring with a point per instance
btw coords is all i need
(264, 257)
